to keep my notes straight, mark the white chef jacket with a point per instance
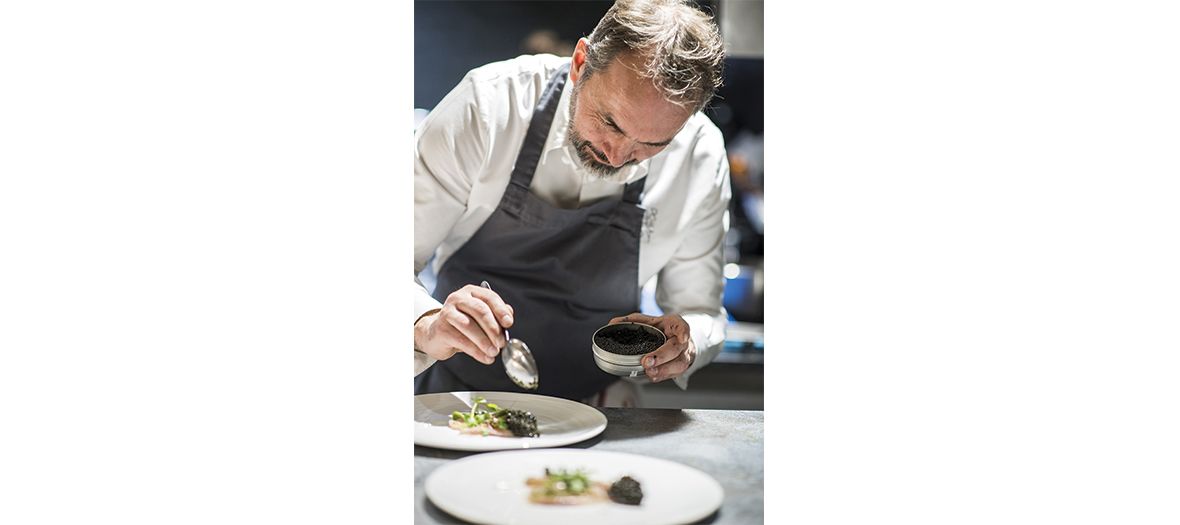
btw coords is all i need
(463, 157)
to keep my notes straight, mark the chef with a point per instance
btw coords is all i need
(567, 183)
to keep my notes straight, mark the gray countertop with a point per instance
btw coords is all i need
(726, 444)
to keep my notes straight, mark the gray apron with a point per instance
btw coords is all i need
(565, 272)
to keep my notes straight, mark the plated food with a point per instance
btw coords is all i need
(559, 422)
(626, 491)
(494, 488)
(564, 487)
(494, 421)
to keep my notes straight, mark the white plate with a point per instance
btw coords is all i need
(491, 489)
(560, 421)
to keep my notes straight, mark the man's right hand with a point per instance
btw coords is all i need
(470, 322)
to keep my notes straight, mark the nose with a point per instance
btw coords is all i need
(618, 152)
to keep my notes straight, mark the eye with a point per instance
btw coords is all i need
(610, 125)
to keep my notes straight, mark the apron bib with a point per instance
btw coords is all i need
(565, 272)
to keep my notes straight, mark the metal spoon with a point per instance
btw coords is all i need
(518, 360)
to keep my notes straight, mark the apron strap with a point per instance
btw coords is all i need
(633, 193)
(534, 139)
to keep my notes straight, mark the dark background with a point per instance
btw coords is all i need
(453, 37)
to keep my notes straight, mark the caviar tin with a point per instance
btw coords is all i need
(622, 364)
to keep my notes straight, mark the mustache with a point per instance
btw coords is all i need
(585, 150)
(586, 145)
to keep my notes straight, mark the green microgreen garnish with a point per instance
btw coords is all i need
(563, 482)
(493, 415)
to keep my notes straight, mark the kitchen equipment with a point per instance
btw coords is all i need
(626, 365)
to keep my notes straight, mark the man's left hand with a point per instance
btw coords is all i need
(677, 353)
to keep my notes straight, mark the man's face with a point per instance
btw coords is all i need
(618, 118)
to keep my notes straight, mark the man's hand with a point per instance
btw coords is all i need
(673, 358)
(470, 322)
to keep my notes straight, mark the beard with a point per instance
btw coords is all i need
(585, 149)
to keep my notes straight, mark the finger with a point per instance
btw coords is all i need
(480, 304)
(672, 369)
(501, 311)
(662, 355)
(673, 326)
(465, 346)
(460, 342)
(484, 319)
(633, 318)
(468, 332)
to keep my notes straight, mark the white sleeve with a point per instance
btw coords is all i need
(450, 149)
(691, 284)
(422, 362)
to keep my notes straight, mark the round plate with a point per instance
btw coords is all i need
(491, 489)
(560, 421)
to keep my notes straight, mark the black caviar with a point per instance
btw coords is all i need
(625, 491)
(628, 341)
(521, 423)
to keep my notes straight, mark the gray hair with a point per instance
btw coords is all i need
(681, 45)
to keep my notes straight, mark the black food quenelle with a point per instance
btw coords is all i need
(521, 423)
(625, 491)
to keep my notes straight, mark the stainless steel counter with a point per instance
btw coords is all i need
(726, 444)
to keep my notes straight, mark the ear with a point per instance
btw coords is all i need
(579, 60)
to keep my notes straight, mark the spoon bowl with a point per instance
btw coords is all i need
(519, 364)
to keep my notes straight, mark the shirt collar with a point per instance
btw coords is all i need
(556, 144)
